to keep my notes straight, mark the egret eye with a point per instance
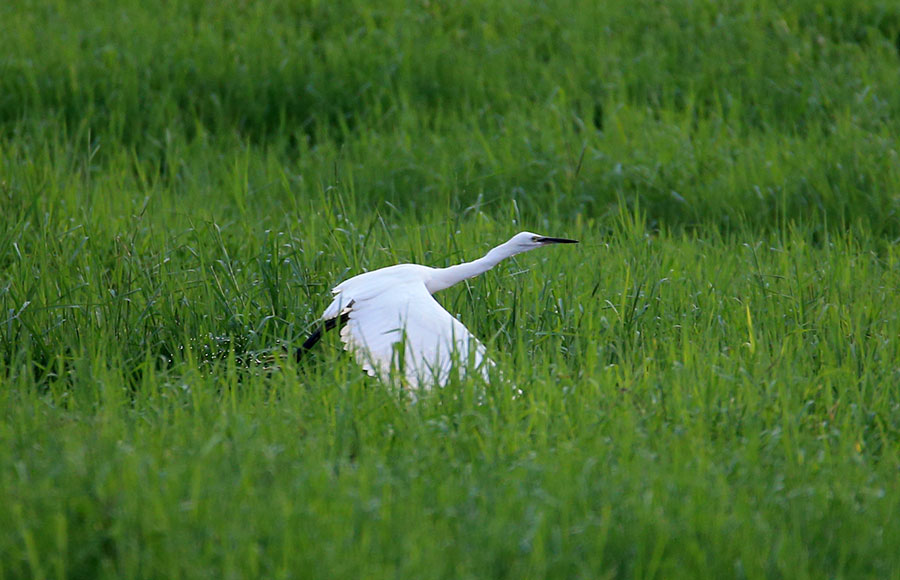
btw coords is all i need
(535, 239)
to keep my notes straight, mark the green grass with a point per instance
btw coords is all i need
(710, 378)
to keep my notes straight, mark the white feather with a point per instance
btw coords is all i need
(405, 318)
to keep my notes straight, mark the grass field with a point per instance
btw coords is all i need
(711, 378)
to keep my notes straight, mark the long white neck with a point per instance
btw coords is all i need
(445, 277)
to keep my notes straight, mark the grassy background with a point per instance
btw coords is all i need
(711, 377)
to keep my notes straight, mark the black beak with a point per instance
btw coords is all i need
(555, 241)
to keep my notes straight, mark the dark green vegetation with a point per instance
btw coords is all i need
(711, 377)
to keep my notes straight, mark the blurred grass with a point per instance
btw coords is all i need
(747, 112)
(710, 378)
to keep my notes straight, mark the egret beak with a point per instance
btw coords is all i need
(555, 241)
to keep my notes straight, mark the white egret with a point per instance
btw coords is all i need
(391, 319)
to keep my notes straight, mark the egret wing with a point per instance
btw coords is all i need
(404, 328)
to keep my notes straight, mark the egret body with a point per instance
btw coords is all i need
(392, 320)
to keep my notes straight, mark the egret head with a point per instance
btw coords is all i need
(524, 241)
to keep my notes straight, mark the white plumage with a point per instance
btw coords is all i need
(391, 312)
(389, 304)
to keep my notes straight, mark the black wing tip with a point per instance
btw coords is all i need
(317, 334)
